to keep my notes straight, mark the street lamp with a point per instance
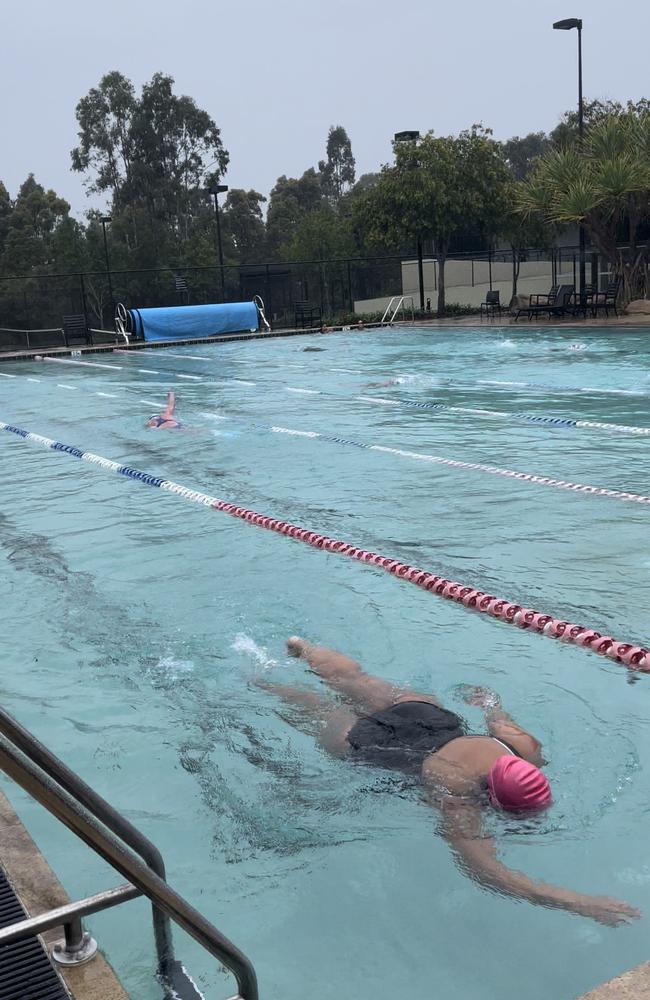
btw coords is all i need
(104, 220)
(215, 191)
(567, 25)
(413, 136)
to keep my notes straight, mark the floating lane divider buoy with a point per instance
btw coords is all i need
(632, 656)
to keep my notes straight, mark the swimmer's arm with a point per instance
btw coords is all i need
(476, 857)
(502, 726)
(171, 403)
(321, 659)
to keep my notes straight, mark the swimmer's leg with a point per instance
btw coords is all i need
(315, 709)
(367, 693)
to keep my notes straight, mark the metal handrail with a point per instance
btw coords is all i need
(103, 811)
(67, 808)
(67, 913)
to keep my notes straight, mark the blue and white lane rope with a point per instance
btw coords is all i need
(383, 401)
(632, 656)
(524, 477)
(506, 415)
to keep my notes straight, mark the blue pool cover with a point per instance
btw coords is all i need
(187, 322)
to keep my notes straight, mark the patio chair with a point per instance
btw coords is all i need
(76, 328)
(579, 307)
(307, 316)
(538, 301)
(492, 305)
(606, 300)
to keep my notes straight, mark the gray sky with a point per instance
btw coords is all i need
(275, 74)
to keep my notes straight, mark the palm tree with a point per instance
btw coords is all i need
(604, 183)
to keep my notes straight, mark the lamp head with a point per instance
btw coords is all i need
(568, 23)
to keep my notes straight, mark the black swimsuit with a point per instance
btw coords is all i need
(402, 736)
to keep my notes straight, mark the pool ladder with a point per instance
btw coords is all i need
(392, 309)
(79, 807)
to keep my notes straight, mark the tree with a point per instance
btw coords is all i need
(566, 132)
(5, 214)
(154, 155)
(35, 216)
(438, 189)
(521, 153)
(604, 184)
(337, 172)
(290, 201)
(243, 225)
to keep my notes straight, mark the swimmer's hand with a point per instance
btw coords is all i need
(473, 694)
(296, 646)
(607, 911)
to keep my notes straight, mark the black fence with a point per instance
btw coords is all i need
(336, 287)
(39, 301)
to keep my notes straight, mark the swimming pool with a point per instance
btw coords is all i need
(135, 625)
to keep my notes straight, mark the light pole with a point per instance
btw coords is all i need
(104, 220)
(413, 136)
(215, 192)
(567, 25)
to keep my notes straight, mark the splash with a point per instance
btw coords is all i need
(245, 644)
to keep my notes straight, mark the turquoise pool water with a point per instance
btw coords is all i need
(135, 625)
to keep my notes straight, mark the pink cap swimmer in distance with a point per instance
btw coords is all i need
(514, 784)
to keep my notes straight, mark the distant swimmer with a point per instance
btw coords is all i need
(403, 730)
(166, 421)
(572, 347)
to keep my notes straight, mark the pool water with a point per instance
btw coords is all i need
(136, 624)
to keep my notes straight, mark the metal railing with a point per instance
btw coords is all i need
(75, 804)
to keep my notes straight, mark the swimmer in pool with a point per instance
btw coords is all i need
(166, 421)
(403, 730)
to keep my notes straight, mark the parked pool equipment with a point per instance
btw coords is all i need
(190, 322)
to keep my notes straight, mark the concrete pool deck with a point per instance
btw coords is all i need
(632, 985)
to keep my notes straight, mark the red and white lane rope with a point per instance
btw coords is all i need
(633, 657)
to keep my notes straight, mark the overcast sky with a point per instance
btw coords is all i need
(275, 74)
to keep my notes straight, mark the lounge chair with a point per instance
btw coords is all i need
(538, 301)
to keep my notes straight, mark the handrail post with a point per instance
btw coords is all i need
(77, 946)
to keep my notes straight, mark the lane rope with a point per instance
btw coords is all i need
(504, 414)
(419, 404)
(632, 656)
(451, 463)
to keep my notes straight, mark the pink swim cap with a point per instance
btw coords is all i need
(514, 784)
